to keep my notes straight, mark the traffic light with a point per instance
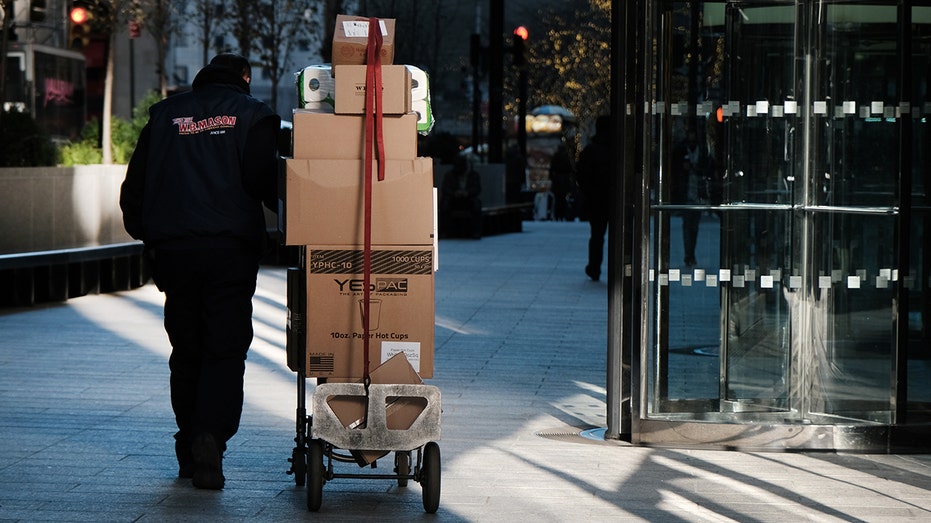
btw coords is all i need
(519, 47)
(79, 26)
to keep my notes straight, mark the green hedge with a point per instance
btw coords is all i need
(123, 137)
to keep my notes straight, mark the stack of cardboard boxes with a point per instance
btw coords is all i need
(316, 85)
(322, 208)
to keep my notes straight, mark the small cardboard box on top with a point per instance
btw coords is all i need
(351, 36)
(401, 309)
(319, 135)
(323, 202)
(400, 413)
(351, 90)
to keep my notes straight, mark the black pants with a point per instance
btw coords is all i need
(598, 222)
(690, 221)
(208, 318)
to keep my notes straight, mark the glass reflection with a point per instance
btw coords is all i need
(774, 179)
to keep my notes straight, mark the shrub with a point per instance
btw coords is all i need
(123, 137)
(86, 150)
(125, 134)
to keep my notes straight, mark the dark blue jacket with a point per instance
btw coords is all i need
(596, 168)
(203, 166)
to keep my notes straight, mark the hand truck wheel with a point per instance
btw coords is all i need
(298, 466)
(402, 466)
(430, 477)
(315, 475)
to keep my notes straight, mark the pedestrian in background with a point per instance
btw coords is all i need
(561, 176)
(515, 178)
(596, 168)
(689, 162)
(204, 164)
(460, 200)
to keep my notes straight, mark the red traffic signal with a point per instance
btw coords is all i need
(79, 30)
(519, 46)
(79, 15)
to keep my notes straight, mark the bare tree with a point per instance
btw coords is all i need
(240, 20)
(419, 39)
(208, 18)
(162, 19)
(106, 18)
(158, 18)
(280, 26)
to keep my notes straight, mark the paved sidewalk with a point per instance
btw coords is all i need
(85, 422)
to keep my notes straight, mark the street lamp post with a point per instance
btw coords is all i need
(518, 48)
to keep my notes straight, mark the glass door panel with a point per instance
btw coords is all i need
(850, 214)
(759, 193)
(774, 212)
(722, 216)
(918, 362)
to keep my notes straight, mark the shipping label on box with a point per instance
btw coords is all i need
(351, 91)
(401, 309)
(328, 136)
(323, 203)
(350, 40)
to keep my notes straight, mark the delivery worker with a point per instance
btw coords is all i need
(204, 164)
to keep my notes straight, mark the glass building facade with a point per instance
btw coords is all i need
(777, 157)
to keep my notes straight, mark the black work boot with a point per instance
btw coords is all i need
(208, 463)
(185, 459)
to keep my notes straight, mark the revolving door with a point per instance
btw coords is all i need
(783, 266)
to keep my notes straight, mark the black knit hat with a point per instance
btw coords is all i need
(234, 62)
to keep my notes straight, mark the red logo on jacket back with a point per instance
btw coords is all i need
(187, 125)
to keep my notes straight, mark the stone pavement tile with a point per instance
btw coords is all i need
(521, 334)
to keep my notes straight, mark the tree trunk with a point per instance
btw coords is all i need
(106, 131)
(161, 53)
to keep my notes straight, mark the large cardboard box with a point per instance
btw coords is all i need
(401, 309)
(351, 36)
(319, 135)
(322, 203)
(350, 89)
(399, 414)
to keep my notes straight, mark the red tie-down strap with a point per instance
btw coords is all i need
(373, 139)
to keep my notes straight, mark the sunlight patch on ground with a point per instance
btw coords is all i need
(145, 302)
(451, 325)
